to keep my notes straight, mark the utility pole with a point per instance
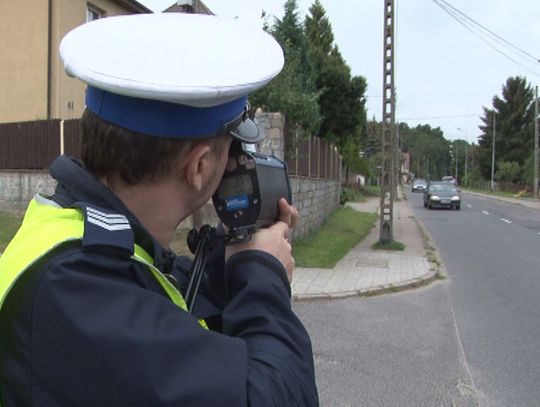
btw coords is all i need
(536, 156)
(388, 175)
(493, 153)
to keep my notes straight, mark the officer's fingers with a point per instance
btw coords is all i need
(281, 228)
(287, 213)
(289, 263)
(294, 217)
(281, 248)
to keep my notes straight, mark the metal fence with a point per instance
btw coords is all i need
(312, 157)
(34, 145)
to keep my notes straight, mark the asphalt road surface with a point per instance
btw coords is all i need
(491, 251)
(473, 339)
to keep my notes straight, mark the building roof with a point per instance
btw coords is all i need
(189, 6)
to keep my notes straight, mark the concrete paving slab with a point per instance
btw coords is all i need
(365, 271)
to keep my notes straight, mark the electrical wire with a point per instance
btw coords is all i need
(471, 25)
(495, 36)
(464, 22)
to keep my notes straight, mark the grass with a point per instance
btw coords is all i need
(503, 194)
(371, 190)
(359, 193)
(9, 224)
(325, 247)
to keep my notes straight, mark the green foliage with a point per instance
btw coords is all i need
(350, 153)
(315, 89)
(514, 115)
(373, 141)
(351, 194)
(370, 190)
(293, 92)
(508, 171)
(528, 171)
(288, 95)
(342, 231)
(429, 150)
(342, 99)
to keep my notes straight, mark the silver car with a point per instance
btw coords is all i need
(419, 184)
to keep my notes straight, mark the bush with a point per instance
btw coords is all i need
(508, 171)
(350, 194)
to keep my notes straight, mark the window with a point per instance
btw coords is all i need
(93, 13)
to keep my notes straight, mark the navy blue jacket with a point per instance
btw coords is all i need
(88, 326)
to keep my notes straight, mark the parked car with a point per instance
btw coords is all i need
(418, 184)
(449, 179)
(442, 195)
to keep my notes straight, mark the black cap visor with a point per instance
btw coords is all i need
(243, 129)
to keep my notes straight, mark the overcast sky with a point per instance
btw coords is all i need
(444, 72)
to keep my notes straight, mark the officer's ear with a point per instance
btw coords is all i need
(198, 165)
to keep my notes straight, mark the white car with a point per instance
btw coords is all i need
(449, 179)
(418, 184)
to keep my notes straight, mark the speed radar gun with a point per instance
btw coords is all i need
(246, 200)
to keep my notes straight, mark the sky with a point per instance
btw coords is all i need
(444, 73)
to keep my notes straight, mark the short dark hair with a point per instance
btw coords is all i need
(134, 157)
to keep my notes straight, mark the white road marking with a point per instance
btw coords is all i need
(469, 206)
(485, 212)
(506, 220)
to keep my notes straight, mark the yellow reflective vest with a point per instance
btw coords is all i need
(46, 226)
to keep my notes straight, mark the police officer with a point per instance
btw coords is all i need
(90, 311)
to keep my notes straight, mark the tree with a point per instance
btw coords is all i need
(293, 92)
(342, 100)
(514, 114)
(429, 150)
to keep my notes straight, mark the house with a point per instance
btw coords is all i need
(32, 79)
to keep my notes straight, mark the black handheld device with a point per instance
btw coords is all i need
(246, 200)
(247, 197)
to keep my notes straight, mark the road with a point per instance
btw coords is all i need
(473, 339)
(491, 253)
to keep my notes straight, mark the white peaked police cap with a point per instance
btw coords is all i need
(173, 75)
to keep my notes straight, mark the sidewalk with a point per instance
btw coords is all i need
(364, 271)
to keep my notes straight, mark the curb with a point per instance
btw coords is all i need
(417, 282)
(432, 254)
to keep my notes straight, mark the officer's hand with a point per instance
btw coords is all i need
(272, 240)
(288, 213)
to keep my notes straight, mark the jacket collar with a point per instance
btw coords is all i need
(77, 185)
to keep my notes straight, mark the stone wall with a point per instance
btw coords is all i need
(272, 125)
(315, 200)
(17, 188)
